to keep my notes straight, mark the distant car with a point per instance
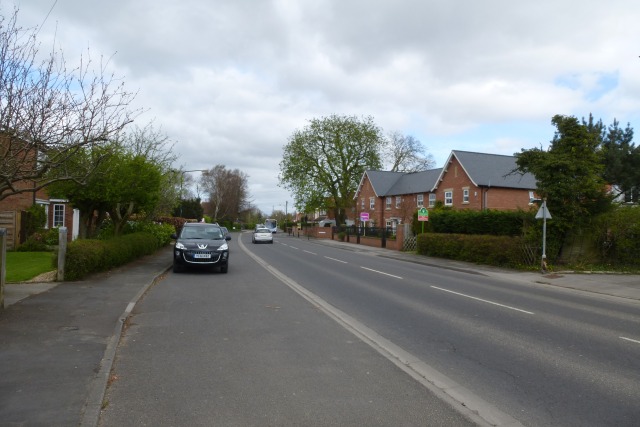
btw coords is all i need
(262, 235)
(201, 245)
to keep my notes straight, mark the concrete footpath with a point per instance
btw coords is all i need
(58, 340)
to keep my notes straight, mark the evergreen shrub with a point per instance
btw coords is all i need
(89, 256)
(500, 251)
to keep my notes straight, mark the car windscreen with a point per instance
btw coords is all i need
(263, 230)
(209, 233)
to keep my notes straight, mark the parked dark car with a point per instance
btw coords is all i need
(201, 245)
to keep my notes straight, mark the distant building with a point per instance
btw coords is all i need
(468, 180)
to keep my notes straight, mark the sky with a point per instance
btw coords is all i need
(229, 81)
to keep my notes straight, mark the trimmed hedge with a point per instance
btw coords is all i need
(467, 221)
(89, 256)
(500, 251)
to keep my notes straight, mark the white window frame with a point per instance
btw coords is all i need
(398, 202)
(362, 205)
(58, 218)
(432, 200)
(448, 197)
(465, 195)
(387, 203)
(372, 202)
(420, 200)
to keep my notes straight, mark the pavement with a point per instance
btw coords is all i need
(58, 339)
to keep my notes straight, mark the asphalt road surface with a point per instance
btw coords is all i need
(299, 333)
(244, 349)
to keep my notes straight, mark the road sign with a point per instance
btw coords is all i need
(364, 216)
(543, 212)
(423, 214)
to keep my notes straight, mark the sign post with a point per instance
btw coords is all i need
(364, 217)
(423, 216)
(543, 213)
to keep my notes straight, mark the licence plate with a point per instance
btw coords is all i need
(202, 255)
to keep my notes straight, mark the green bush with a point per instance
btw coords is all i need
(467, 221)
(618, 236)
(35, 219)
(89, 256)
(34, 243)
(501, 251)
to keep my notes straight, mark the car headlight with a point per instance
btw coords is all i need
(180, 246)
(223, 247)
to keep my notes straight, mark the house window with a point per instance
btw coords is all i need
(420, 199)
(388, 203)
(448, 197)
(465, 195)
(362, 203)
(372, 202)
(398, 202)
(532, 197)
(432, 200)
(58, 215)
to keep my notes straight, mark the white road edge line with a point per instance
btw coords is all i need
(309, 252)
(460, 398)
(483, 300)
(629, 339)
(337, 260)
(381, 272)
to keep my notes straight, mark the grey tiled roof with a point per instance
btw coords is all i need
(382, 181)
(487, 170)
(494, 170)
(387, 183)
(416, 182)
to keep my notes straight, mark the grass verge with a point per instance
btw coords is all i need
(22, 266)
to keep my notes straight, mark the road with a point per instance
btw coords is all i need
(298, 333)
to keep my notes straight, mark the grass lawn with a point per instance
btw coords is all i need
(23, 266)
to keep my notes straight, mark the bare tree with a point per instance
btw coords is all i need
(404, 153)
(227, 191)
(49, 113)
(156, 147)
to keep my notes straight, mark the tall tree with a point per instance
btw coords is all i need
(227, 191)
(50, 112)
(622, 162)
(129, 177)
(405, 153)
(323, 163)
(570, 173)
(151, 144)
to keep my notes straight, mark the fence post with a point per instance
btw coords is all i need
(62, 252)
(3, 264)
(384, 237)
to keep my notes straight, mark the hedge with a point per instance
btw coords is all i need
(500, 251)
(89, 256)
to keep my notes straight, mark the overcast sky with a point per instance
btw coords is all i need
(230, 80)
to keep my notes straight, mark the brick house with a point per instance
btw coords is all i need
(468, 180)
(59, 213)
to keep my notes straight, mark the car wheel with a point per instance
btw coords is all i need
(177, 268)
(224, 269)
